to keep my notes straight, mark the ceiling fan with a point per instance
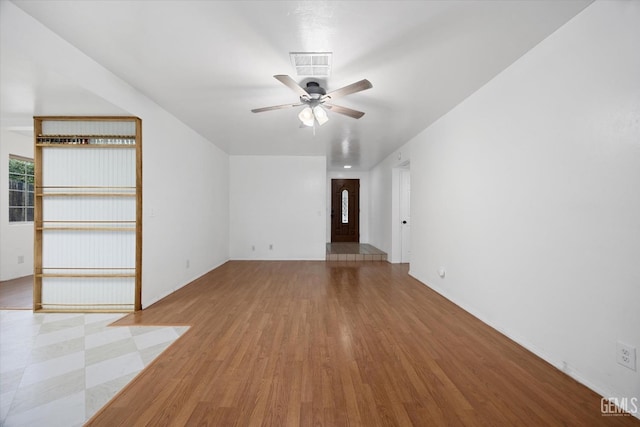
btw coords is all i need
(315, 99)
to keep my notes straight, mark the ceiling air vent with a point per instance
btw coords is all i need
(311, 64)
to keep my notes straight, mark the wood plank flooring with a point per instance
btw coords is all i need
(17, 294)
(336, 344)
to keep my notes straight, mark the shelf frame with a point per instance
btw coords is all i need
(45, 142)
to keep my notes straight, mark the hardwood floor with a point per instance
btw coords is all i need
(334, 344)
(17, 294)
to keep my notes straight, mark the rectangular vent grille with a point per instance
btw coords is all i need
(311, 64)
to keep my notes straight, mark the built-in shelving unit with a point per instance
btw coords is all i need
(88, 214)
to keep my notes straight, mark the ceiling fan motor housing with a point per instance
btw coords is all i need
(315, 90)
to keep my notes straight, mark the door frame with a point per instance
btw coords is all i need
(396, 221)
(335, 212)
(405, 215)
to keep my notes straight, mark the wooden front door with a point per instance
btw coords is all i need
(345, 210)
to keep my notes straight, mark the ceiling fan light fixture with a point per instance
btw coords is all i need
(306, 116)
(321, 115)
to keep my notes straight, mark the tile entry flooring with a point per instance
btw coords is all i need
(59, 369)
(354, 252)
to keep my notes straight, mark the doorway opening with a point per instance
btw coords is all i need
(345, 210)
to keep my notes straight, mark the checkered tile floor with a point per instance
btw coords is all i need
(59, 369)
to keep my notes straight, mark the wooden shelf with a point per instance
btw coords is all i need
(104, 141)
(86, 276)
(102, 136)
(85, 310)
(87, 268)
(73, 308)
(86, 228)
(93, 304)
(107, 191)
(84, 222)
(86, 145)
(108, 236)
(86, 187)
(85, 194)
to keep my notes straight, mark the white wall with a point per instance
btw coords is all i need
(528, 194)
(364, 201)
(385, 203)
(186, 206)
(185, 177)
(279, 201)
(16, 239)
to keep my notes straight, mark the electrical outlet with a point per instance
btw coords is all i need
(187, 264)
(271, 247)
(626, 355)
(20, 259)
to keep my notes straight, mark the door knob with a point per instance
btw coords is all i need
(404, 222)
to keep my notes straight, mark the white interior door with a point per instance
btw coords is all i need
(405, 214)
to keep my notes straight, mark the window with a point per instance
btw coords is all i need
(345, 207)
(21, 185)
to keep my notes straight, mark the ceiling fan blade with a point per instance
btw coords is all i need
(352, 88)
(276, 107)
(289, 82)
(344, 110)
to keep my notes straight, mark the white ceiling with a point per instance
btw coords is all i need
(210, 62)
